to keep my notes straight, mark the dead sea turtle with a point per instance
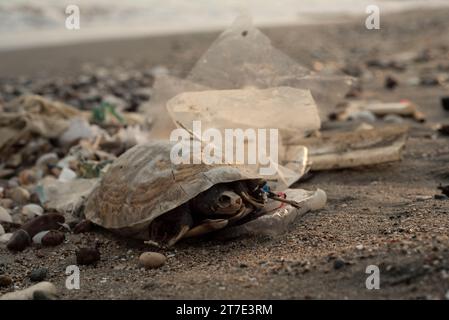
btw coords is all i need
(145, 195)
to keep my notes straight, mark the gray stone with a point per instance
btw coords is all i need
(39, 274)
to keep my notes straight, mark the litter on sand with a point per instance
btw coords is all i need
(113, 168)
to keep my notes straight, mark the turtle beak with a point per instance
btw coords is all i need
(229, 202)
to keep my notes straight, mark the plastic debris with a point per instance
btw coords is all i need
(346, 149)
(291, 110)
(67, 197)
(404, 108)
(277, 217)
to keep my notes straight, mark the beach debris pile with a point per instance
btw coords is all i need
(117, 82)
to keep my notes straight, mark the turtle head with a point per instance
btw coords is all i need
(227, 202)
(218, 200)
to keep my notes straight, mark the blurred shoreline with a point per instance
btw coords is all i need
(25, 24)
(178, 52)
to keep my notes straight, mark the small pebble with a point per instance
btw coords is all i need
(391, 83)
(6, 203)
(4, 215)
(32, 210)
(5, 238)
(441, 197)
(152, 260)
(338, 264)
(34, 198)
(53, 238)
(445, 103)
(19, 241)
(5, 281)
(39, 274)
(19, 195)
(47, 288)
(359, 247)
(27, 177)
(83, 226)
(51, 221)
(87, 256)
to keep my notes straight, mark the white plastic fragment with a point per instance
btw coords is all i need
(66, 197)
(67, 175)
(78, 128)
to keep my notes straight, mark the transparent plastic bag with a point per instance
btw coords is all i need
(166, 87)
(243, 56)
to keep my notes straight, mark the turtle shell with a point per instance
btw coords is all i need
(143, 183)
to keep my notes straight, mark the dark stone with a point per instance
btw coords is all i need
(429, 80)
(41, 295)
(445, 103)
(5, 281)
(83, 226)
(352, 70)
(391, 83)
(338, 264)
(444, 130)
(441, 197)
(19, 241)
(39, 274)
(87, 256)
(53, 238)
(444, 190)
(51, 221)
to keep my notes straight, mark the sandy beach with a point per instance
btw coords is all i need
(384, 215)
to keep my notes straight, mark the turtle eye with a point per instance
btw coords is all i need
(224, 200)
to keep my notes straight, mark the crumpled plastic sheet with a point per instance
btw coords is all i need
(68, 197)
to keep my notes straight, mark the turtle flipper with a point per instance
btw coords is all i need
(244, 211)
(182, 232)
(206, 226)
